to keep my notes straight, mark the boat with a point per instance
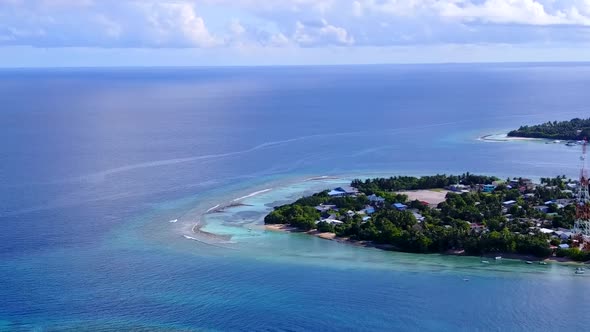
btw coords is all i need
(571, 144)
(542, 263)
(529, 262)
(498, 258)
(580, 270)
(485, 262)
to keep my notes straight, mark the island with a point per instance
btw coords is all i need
(573, 130)
(477, 215)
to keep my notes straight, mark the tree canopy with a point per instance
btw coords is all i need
(476, 222)
(575, 129)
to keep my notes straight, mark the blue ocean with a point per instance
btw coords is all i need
(104, 174)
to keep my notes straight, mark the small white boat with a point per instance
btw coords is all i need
(542, 263)
(485, 262)
(529, 262)
(580, 270)
(498, 258)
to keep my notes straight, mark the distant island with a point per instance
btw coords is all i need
(473, 215)
(573, 130)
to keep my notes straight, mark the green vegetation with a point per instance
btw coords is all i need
(476, 222)
(574, 254)
(373, 186)
(575, 129)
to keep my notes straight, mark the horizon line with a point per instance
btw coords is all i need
(532, 62)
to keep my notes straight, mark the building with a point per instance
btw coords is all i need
(331, 221)
(519, 183)
(418, 216)
(509, 203)
(325, 208)
(369, 210)
(477, 227)
(343, 191)
(376, 199)
(399, 206)
(542, 208)
(488, 188)
(458, 187)
(546, 230)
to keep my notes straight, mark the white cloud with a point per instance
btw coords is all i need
(236, 28)
(314, 33)
(278, 40)
(105, 23)
(511, 11)
(288, 23)
(532, 12)
(176, 24)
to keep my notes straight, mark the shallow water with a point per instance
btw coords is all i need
(96, 163)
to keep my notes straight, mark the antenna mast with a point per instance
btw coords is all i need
(582, 224)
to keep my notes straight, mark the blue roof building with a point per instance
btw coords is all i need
(400, 206)
(376, 199)
(343, 191)
(369, 210)
(488, 188)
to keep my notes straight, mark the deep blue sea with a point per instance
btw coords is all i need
(104, 172)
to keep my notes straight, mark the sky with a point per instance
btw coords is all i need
(70, 33)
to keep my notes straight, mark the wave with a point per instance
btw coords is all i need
(319, 178)
(252, 194)
(209, 244)
(212, 208)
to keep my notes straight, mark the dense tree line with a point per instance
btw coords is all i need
(447, 227)
(396, 183)
(575, 129)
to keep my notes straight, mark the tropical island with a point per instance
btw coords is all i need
(478, 215)
(573, 130)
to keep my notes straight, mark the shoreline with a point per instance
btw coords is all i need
(460, 253)
(219, 239)
(505, 138)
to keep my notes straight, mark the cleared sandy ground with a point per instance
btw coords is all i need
(433, 197)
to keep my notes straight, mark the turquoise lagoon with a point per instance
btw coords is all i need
(101, 187)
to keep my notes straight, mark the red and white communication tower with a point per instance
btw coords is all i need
(582, 224)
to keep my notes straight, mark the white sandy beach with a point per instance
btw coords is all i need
(506, 138)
